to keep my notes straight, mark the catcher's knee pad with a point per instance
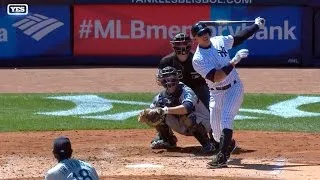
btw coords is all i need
(194, 126)
(201, 134)
(190, 121)
(165, 133)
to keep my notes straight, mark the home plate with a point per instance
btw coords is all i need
(144, 166)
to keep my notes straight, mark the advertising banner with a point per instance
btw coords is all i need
(280, 37)
(42, 31)
(212, 2)
(126, 30)
(172, 2)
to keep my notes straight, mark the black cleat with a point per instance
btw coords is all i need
(231, 148)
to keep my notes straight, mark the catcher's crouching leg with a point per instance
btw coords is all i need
(201, 134)
(165, 138)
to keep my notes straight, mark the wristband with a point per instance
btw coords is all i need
(165, 110)
(235, 60)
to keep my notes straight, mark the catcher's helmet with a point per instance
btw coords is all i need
(200, 29)
(181, 43)
(169, 78)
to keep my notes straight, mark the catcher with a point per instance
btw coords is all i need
(177, 108)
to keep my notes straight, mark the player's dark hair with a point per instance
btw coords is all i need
(62, 156)
(62, 148)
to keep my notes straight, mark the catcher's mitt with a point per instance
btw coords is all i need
(152, 117)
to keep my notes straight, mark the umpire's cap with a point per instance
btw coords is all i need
(200, 29)
(62, 145)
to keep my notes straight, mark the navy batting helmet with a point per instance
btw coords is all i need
(200, 29)
(181, 43)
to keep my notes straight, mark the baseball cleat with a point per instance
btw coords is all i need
(231, 148)
(160, 144)
(219, 161)
(208, 149)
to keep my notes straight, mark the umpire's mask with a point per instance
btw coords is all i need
(181, 43)
(169, 78)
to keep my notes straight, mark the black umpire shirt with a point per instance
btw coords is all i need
(190, 77)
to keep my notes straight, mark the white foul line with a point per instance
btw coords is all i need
(279, 163)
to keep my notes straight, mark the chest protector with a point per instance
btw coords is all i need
(170, 100)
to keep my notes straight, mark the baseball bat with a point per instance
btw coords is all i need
(222, 22)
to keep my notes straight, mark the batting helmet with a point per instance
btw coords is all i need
(169, 78)
(200, 29)
(181, 43)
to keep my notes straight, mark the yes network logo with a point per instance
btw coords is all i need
(17, 9)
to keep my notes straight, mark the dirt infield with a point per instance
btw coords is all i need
(261, 155)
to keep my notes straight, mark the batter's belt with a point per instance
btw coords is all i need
(224, 87)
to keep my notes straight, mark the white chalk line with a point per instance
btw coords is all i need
(279, 164)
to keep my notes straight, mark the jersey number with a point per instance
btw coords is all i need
(84, 174)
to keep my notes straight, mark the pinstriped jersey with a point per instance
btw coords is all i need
(72, 169)
(215, 56)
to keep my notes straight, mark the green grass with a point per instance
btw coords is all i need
(276, 123)
(18, 113)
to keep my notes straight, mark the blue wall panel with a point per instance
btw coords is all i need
(280, 37)
(45, 31)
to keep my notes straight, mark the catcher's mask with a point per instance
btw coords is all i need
(181, 43)
(169, 78)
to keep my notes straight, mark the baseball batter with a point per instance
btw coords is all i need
(69, 168)
(211, 60)
(185, 114)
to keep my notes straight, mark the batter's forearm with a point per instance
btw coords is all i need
(243, 35)
(219, 75)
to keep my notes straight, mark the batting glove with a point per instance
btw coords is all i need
(260, 22)
(242, 53)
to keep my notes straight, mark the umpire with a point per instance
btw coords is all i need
(181, 59)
